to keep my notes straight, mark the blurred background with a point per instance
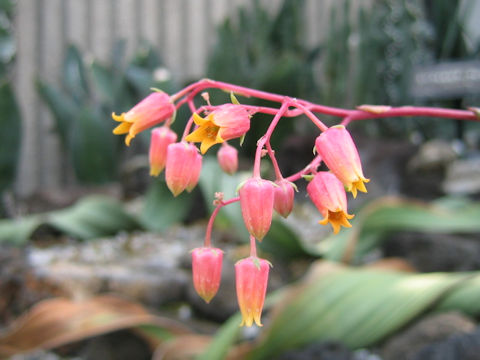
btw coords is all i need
(94, 254)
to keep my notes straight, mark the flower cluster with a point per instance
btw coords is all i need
(259, 198)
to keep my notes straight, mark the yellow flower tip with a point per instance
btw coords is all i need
(248, 320)
(122, 128)
(337, 219)
(128, 139)
(198, 120)
(155, 171)
(119, 118)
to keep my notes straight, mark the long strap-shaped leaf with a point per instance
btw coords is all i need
(361, 307)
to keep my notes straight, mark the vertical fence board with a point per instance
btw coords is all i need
(182, 30)
(25, 24)
(50, 66)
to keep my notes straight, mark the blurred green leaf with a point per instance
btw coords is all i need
(358, 307)
(10, 126)
(383, 216)
(63, 108)
(162, 209)
(104, 80)
(18, 231)
(93, 147)
(223, 340)
(91, 217)
(74, 77)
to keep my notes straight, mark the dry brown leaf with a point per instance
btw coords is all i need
(182, 347)
(55, 322)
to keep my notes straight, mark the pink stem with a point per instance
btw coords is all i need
(253, 246)
(306, 170)
(266, 138)
(208, 233)
(311, 116)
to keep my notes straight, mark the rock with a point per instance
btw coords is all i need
(451, 252)
(142, 266)
(463, 177)
(405, 344)
(459, 346)
(327, 350)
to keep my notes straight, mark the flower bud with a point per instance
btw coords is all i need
(160, 139)
(256, 202)
(228, 158)
(328, 195)
(207, 271)
(284, 194)
(181, 159)
(195, 172)
(149, 112)
(337, 150)
(251, 277)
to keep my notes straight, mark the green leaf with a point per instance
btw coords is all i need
(92, 217)
(358, 307)
(63, 108)
(10, 132)
(161, 209)
(18, 231)
(282, 242)
(383, 216)
(93, 147)
(74, 77)
(104, 80)
(223, 340)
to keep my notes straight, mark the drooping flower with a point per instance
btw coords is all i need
(256, 202)
(181, 158)
(226, 122)
(328, 195)
(195, 172)
(251, 277)
(207, 271)
(283, 197)
(228, 158)
(160, 139)
(151, 111)
(339, 153)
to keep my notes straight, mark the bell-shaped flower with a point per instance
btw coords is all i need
(256, 202)
(195, 173)
(160, 139)
(207, 271)
(149, 112)
(251, 278)
(181, 159)
(337, 150)
(226, 122)
(284, 194)
(328, 195)
(227, 157)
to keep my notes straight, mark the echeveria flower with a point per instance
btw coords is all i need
(226, 122)
(207, 271)
(339, 153)
(160, 139)
(328, 195)
(251, 277)
(149, 112)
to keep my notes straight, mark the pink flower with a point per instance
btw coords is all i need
(151, 111)
(251, 275)
(339, 153)
(226, 122)
(328, 195)
(228, 158)
(207, 271)
(195, 172)
(256, 202)
(284, 196)
(159, 141)
(181, 159)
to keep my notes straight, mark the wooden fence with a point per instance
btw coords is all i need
(184, 31)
